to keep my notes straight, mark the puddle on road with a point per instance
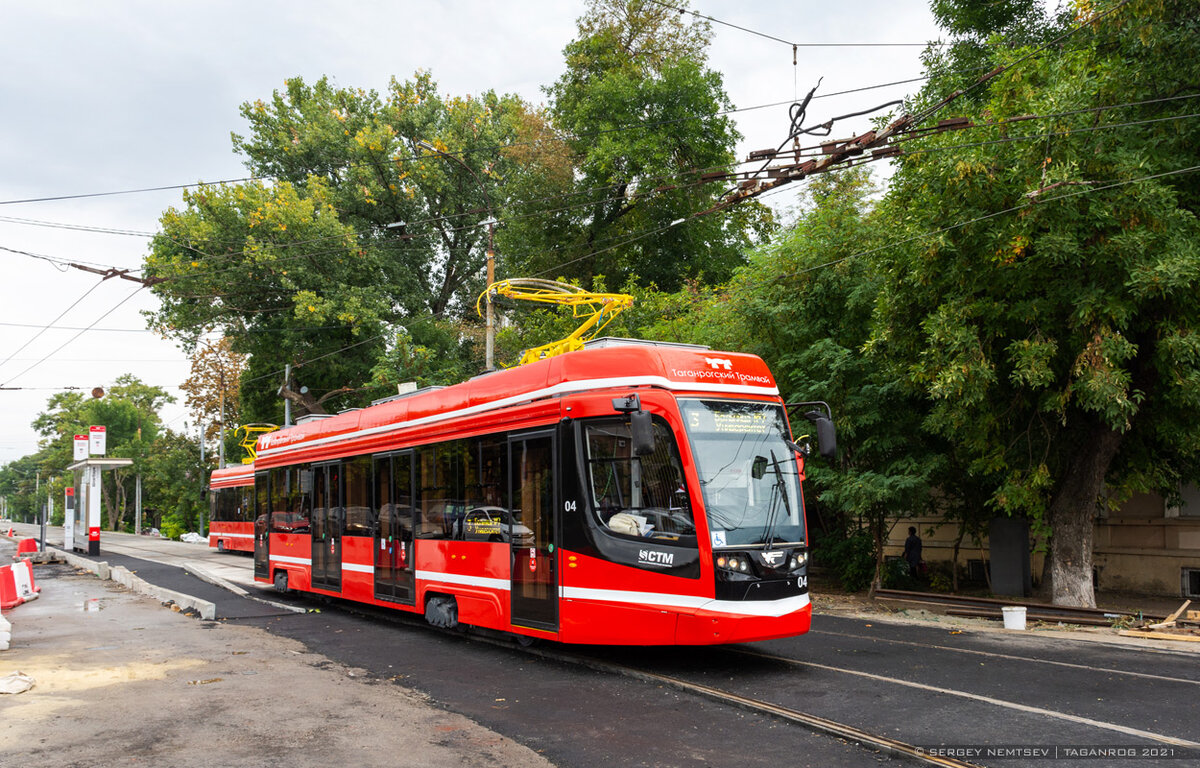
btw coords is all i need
(91, 606)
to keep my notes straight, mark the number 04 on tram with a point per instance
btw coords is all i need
(628, 493)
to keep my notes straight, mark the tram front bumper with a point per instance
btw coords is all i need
(722, 621)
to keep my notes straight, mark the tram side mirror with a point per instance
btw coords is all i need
(641, 431)
(826, 434)
(759, 467)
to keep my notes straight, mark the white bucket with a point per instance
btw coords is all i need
(1014, 616)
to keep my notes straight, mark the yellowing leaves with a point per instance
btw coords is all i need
(1013, 250)
(965, 168)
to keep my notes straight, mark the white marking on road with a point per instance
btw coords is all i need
(990, 654)
(987, 700)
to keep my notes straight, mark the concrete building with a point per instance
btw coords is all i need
(1145, 547)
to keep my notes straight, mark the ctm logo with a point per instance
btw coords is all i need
(717, 363)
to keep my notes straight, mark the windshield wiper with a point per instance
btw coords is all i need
(780, 490)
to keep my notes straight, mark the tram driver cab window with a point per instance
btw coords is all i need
(638, 496)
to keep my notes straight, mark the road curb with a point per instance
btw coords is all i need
(127, 579)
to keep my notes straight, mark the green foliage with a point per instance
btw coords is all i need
(129, 411)
(173, 483)
(363, 229)
(642, 115)
(851, 559)
(173, 529)
(897, 574)
(804, 304)
(1046, 339)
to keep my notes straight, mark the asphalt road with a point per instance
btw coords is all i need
(924, 684)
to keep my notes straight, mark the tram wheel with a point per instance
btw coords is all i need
(220, 545)
(442, 611)
(281, 584)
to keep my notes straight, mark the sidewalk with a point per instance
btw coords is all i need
(831, 602)
(123, 681)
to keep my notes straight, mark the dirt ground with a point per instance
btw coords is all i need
(123, 681)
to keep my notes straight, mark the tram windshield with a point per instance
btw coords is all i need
(748, 476)
(642, 496)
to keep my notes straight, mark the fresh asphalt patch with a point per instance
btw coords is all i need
(228, 604)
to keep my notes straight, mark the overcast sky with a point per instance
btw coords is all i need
(101, 97)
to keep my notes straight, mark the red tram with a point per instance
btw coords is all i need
(629, 493)
(231, 505)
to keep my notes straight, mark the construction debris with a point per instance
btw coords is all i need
(1181, 625)
(16, 682)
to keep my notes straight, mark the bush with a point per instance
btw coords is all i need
(172, 530)
(852, 560)
(898, 575)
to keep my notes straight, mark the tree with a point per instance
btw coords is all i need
(1059, 343)
(804, 303)
(212, 389)
(642, 118)
(362, 228)
(174, 484)
(129, 412)
(18, 479)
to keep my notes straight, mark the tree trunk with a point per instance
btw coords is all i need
(879, 537)
(1068, 571)
(962, 530)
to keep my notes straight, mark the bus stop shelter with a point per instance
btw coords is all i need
(81, 531)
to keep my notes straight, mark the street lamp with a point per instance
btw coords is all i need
(489, 354)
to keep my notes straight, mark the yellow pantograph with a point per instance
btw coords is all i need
(597, 309)
(248, 438)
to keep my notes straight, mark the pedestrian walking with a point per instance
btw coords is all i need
(912, 552)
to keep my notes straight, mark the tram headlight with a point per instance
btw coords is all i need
(799, 560)
(737, 563)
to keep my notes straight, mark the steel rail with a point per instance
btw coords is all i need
(1059, 611)
(804, 719)
(815, 723)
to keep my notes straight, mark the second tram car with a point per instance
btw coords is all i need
(629, 493)
(231, 505)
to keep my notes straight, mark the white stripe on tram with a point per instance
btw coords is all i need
(216, 535)
(291, 560)
(768, 608)
(561, 388)
(467, 581)
(764, 608)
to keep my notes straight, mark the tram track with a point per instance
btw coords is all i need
(812, 722)
(989, 607)
(806, 720)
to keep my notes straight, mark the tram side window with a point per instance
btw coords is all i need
(443, 502)
(290, 500)
(638, 496)
(430, 497)
(487, 518)
(358, 496)
(226, 505)
(262, 501)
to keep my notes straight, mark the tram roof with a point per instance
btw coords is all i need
(232, 475)
(682, 369)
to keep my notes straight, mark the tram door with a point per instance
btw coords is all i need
(262, 527)
(328, 522)
(534, 591)
(394, 530)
